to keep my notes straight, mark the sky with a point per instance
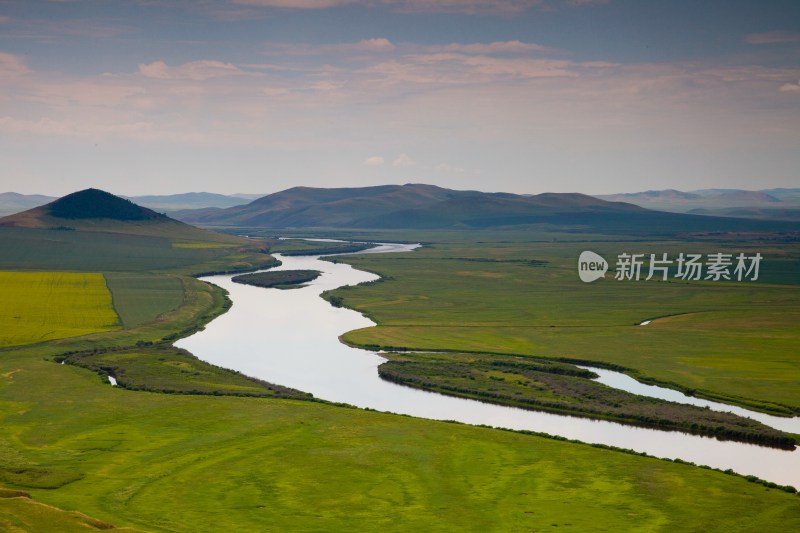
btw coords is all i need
(526, 96)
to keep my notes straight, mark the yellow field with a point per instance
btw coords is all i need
(41, 306)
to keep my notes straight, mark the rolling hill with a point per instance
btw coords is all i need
(419, 206)
(778, 204)
(12, 202)
(93, 210)
(97, 231)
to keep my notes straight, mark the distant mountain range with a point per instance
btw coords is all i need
(779, 204)
(99, 211)
(418, 206)
(11, 202)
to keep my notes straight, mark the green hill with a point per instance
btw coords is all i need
(93, 210)
(95, 230)
(418, 206)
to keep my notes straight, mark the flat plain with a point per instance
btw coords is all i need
(202, 462)
(729, 340)
(40, 306)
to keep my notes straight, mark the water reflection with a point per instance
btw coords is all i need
(290, 337)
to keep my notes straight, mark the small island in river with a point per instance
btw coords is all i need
(280, 279)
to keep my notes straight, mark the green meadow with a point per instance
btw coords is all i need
(735, 341)
(40, 306)
(77, 453)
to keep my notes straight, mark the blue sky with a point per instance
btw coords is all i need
(526, 96)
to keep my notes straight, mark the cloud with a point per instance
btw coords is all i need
(499, 47)
(5, 20)
(581, 3)
(790, 88)
(297, 4)
(381, 44)
(195, 70)
(425, 6)
(374, 161)
(404, 161)
(772, 37)
(11, 65)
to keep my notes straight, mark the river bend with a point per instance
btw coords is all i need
(291, 338)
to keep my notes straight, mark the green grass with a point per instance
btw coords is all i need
(565, 389)
(303, 247)
(47, 249)
(195, 463)
(40, 306)
(173, 371)
(734, 341)
(21, 514)
(279, 279)
(142, 297)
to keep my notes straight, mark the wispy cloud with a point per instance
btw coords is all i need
(790, 87)
(195, 70)
(11, 65)
(298, 4)
(498, 47)
(587, 2)
(772, 37)
(403, 160)
(374, 161)
(423, 6)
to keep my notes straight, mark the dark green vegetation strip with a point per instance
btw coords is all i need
(566, 389)
(280, 279)
(174, 371)
(185, 463)
(142, 297)
(733, 342)
(301, 247)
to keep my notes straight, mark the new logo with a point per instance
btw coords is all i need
(591, 266)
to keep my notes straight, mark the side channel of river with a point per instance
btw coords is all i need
(290, 337)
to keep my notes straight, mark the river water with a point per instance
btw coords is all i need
(290, 337)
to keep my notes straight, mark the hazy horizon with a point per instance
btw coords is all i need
(522, 96)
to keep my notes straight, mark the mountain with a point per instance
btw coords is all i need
(94, 210)
(309, 206)
(189, 200)
(778, 204)
(12, 202)
(421, 206)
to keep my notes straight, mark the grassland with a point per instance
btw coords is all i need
(196, 463)
(280, 279)
(39, 306)
(303, 247)
(173, 371)
(56, 250)
(566, 389)
(736, 342)
(141, 297)
(20, 513)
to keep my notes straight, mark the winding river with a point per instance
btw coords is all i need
(290, 337)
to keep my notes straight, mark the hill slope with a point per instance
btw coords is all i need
(777, 204)
(98, 211)
(12, 202)
(420, 206)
